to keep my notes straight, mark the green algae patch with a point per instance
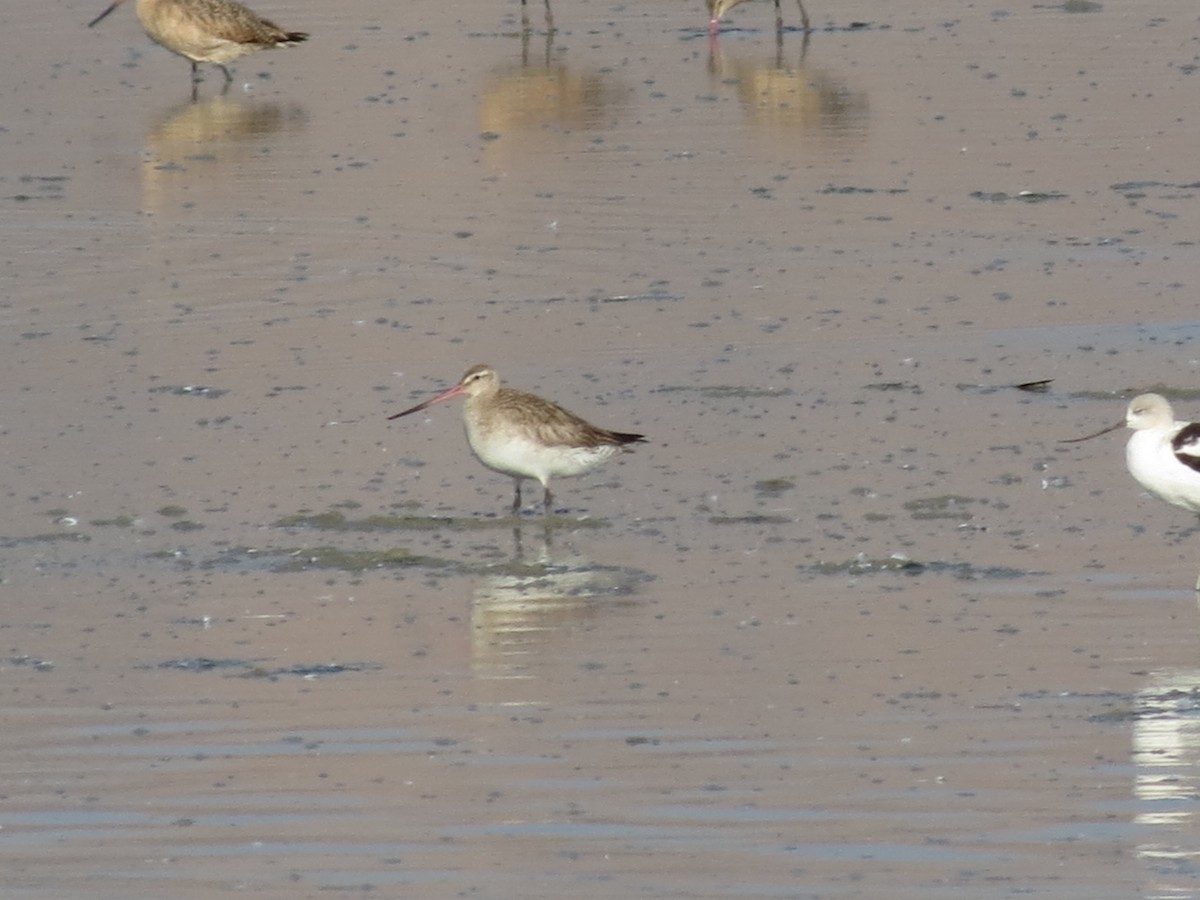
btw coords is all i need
(860, 565)
(947, 506)
(753, 519)
(114, 522)
(523, 570)
(864, 565)
(335, 520)
(301, 559)
(1184, 395)
(357, 560)
(774, 487)
(70, 537)
(249, 669)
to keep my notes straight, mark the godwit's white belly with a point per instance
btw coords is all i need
(1151, 461)
(516, 455)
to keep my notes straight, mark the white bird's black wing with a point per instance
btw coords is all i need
(1186, 445)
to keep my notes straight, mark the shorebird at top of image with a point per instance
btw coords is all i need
(1162, 455)
(525, 16)
(208, 31)
(524, 436)
(718, 8)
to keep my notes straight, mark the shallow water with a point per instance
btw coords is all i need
(852, 624)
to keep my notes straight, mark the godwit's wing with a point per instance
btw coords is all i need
(550, 425)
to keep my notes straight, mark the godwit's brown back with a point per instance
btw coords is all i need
(212, 31)
(541, 421)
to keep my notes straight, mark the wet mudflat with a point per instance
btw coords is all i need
(853, 624)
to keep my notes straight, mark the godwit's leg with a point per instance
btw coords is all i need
(196, 76)
(804, 17)
(516, 496)
(228, 77)
(547, 499)
(549, 17)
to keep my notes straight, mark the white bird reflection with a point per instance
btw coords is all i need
(1166, 754)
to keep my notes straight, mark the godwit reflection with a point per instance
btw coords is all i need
(521, 615)
(526, 104)
(792, 98)
(207, 140)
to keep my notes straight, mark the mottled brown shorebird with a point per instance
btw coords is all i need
(718, 8)
(209, 31)
(524, 436)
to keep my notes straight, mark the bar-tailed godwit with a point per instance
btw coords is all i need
(524, 436)
(718, 8)
(209, 31)
(1162, 455)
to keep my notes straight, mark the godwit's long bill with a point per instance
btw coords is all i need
(1162, 455)
(524, 436)
(209, 31)
(718, 8)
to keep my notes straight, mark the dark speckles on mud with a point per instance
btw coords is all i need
(726, 392)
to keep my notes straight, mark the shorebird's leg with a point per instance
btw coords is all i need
(547, 499)
(778, 18)
(228, 76)
(804, 17)
(549, 17)
(516, 496)
(196, 76)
